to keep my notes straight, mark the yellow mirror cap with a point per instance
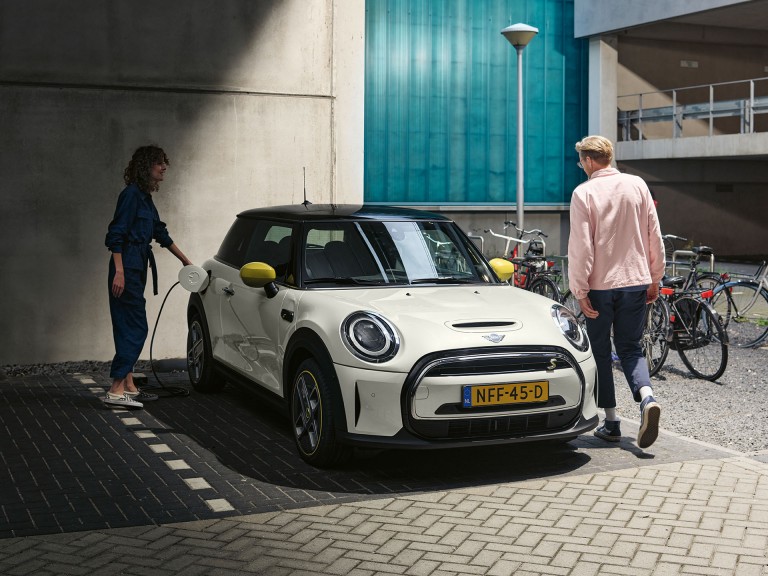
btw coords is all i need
(504, 268)
(257, 274)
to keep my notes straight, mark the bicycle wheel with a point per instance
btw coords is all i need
(700, 339)
(655, 344)
(707, 281)
(546, 287)
(743, 308)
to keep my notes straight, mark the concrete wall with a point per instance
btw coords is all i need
(243, 95)
(721, 203)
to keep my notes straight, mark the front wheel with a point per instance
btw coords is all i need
(700, 338)
(312, 416)
(202, 374)
(546, 287)
(655, 344)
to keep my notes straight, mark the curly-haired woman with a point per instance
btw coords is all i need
(134, 225)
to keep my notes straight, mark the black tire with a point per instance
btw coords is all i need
(700, 338)
(202, 374)
(312, 416)
(722, 303)
(707, 281)
(546, 287)
(655, 344)
(743, 309)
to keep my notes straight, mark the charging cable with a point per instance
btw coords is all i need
(162, 389)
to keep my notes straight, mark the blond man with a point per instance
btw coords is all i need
(615, 263)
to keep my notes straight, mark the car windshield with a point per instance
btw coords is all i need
(385, 253)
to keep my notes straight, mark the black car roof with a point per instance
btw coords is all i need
(304, 212)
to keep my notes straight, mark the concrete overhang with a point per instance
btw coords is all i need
(597, 17)
(726, 146)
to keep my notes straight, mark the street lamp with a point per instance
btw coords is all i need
(519, 35)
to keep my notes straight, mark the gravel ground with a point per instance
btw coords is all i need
(732, 412)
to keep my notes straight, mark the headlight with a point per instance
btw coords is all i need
(370, 337)
(570, 327)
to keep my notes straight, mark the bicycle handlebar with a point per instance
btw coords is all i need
(673, 237)
(536, 231)
(508, 238)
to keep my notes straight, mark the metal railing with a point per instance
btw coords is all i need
(705, 110)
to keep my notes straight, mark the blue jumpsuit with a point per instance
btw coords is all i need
(134, 225)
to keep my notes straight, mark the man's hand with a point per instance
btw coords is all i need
(586, 308)
(652, 294)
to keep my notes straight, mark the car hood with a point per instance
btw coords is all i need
(434, 318)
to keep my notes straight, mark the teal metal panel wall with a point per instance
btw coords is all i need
(441, 102)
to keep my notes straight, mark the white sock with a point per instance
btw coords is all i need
(644, 392)
(610, 414)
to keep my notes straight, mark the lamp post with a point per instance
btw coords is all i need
(519, 35)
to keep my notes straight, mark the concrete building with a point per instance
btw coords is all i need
(689, 80)
(248, 97)
(245, 97)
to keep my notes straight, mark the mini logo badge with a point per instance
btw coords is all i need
(495, 338)
(552, 365)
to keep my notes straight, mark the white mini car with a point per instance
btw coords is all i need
(385, 328)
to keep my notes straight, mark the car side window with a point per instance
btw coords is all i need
(251, 240)
(339, 251)
(236, 242)
(272, 243)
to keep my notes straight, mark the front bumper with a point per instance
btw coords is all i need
(406, 441)
(423, 408)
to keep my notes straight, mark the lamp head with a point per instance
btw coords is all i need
(519, 34)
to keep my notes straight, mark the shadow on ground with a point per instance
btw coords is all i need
(255, 441)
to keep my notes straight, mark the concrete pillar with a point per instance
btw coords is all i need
(603, 86)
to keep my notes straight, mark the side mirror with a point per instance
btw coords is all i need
(257, 274)
(260, 274)
(504, 269)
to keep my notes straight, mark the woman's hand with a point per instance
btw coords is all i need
(118, 284)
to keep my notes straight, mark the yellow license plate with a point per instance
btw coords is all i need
(500, 394)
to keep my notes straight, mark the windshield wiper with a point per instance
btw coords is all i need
(444, 280)
(343, 280)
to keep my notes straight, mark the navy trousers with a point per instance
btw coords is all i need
(624, 311)
(129, 320)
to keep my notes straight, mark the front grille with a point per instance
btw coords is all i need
(475, 366)
(485, 423)
(496, 427)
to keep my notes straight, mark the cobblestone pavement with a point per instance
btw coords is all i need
(212, 485)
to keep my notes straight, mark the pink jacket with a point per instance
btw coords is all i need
(615, 239)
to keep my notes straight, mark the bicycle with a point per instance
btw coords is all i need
(683, 320)
(696, 279)
(532, 271)
(743, 308)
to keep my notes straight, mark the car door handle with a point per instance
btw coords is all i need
(228, 291)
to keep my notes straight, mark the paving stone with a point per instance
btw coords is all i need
(690, 510)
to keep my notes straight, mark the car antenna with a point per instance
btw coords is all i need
(306, 202)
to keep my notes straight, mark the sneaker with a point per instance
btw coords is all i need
(650, 412)
(141, 396)
(122, 400)
(610, 430)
